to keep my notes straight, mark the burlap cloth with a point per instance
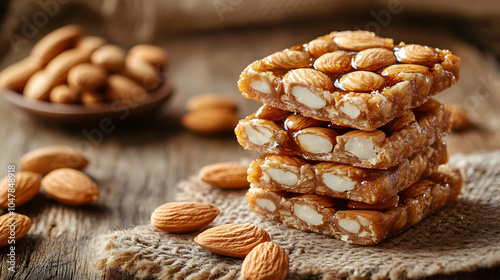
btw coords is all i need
(462, 237)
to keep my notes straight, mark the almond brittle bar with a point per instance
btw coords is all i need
(373, 186)
(350, 78)
(275, 131)
(357, 222)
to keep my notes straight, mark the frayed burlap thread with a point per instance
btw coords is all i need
(462, 237)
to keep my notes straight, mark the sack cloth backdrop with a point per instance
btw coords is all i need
(462, 237)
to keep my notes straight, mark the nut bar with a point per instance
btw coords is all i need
(356, 222)
(275, 131)
(373, 186)
(350, 78)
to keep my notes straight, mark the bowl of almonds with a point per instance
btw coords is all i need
(70, 77)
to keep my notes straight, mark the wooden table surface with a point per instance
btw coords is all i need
(137, 166)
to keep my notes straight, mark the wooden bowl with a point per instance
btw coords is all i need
(118, 111)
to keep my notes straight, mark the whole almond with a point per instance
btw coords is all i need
(334, 62)
(153, 55)
(417, 54)
(400, 71)
(210, 121)
(56, 42)
(38, 86)
(16, 75)
(87, 76)
(297, 122)
(92, 98)
(142, 72)
(26, 186)
(123, 88)
(44, 160)
(361, 81)
(64, 94)
(320, 46)
(285, 60)
(210, 100)
(183, 216)
(58, 68)
(373, 59)
(232, 240)
(360, 40)
(111, 57)
(70, 186)
(22, 225)
(307, 77)
(226, 175)
(267, 261)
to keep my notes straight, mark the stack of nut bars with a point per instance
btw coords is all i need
(353, 141)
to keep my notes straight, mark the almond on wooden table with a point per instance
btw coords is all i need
(226, 175)
(210, 121)
(210, 100)
(22, 226)
(26, 186)
(183, 216)
(267, 261)
(232, 240)
(70, 186)
(44, 160)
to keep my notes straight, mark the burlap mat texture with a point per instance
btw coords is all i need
(462, 237)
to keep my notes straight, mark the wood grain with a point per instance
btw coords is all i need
(138, 165)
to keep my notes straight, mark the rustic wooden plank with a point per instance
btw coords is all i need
(138, 166)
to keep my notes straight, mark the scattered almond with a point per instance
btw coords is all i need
(70, 186)
(226, 175)
(26, 186)
(22, 226)
(183, 216)
(232, 240)
(267, 261)
(211, 101)
(44, 160)
(210, 121)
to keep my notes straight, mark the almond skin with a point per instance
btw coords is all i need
(111, 57)
(87, 76)
(210, 121)
(70, 186)
(232, 240)
(181, 217)
(226, 175)
(23, 225)
(27, 185)
(267, 261)
(44, 160)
